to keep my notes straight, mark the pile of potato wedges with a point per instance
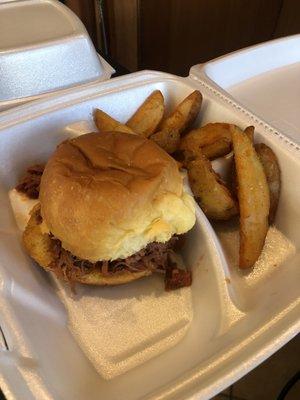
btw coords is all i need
(253, 190)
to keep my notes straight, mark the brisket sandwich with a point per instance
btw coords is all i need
(111, 208)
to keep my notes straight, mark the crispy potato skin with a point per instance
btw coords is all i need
(184, 114)
(167, 140)
(272, 170)
(212, 195)
(217, 149)
(253, 196)
(171, 128)
(213, 140)
(249, 131)
(149, 115)
(105, 123)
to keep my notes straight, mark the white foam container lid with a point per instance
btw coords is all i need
(263, 78)
(228, 322)
(44, 48)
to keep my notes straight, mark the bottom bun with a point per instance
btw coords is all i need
(40, 247)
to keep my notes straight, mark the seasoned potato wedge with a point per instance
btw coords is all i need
(213, 140)
(182, 118)
(217, 149)
(253, 196)
(208, 134)
(233, 180)
(106, 123)
(212, 195)
(271, 167)
(250, 133)
(167, 140)
(184, 114)
(149, 115)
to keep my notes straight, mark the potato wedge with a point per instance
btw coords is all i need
(149, 115)
(254, 199)
(250, 133)
(217, 149)
(233, 180)
(271, 167)
(184, 114)
(168, 137)
(212, 195)
(207, 134)
(213, 140)
(106, 123)
(167, 140)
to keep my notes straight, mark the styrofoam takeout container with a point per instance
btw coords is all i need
(238, 319)
(44, 48)
(263, 78)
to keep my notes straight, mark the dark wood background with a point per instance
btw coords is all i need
(173, 35)
(195, 31)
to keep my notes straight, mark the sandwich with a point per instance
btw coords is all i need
(109, 208)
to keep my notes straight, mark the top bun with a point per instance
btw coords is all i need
(106, 196)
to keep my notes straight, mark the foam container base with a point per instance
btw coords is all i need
(238, 320)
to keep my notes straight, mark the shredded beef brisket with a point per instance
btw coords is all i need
(154, 257)
(30, 182)
(176, 278)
